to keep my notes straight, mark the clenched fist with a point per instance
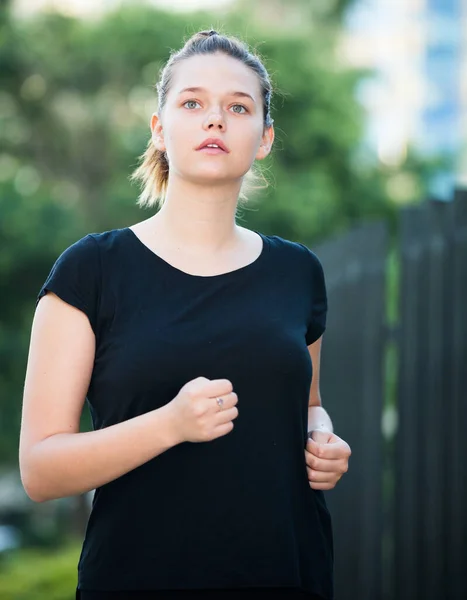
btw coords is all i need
(327, 459)
(196, 413)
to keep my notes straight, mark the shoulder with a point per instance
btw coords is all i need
(85, 253)
(295, 251)
(106, 238)
(82, 250)
(91, 245)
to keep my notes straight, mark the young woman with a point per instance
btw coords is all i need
(196, 343)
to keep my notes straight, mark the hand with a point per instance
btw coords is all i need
(196, 416)
(327, 459)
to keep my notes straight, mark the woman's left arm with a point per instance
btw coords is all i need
(326, 454)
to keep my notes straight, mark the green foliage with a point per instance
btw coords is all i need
(39, 575)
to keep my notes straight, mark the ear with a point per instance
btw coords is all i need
(266, 143)
(157, 133)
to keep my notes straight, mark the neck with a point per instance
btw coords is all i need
(199, 218)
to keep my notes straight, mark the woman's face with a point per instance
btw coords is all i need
(215, 109)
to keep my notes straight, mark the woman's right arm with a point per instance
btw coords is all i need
(56, 460)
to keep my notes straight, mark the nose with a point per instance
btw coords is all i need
(214, 120)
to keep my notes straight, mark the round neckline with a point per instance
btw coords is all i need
(249, 267)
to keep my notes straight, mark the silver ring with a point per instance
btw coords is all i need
(220, 402)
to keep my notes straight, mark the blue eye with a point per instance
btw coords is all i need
(241, 106)
(191, 101)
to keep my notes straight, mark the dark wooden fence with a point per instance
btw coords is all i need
(400, 513)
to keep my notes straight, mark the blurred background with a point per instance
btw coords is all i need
(369, 170)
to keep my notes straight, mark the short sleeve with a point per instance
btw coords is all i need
(319, 305)
(75, 278)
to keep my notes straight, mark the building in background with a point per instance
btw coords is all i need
(442, 117)
(417, 97)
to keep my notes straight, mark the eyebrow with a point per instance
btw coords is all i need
(200, 89)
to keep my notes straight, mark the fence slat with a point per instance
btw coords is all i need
(456, 490)
(406, 549)
(352, 389)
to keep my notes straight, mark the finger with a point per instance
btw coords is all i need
(337, 449)
(313, 447)
(321, 486)
(219, 387)
(228, 401)
(332, 465)
(321, 436)
(322, 476)
(227, 414)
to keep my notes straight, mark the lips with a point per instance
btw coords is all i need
(216, 141)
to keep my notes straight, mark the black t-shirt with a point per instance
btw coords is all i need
(234, 512)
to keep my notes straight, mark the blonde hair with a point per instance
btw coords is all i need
(153, 172)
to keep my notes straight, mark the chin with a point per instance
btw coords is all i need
(208, 176)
